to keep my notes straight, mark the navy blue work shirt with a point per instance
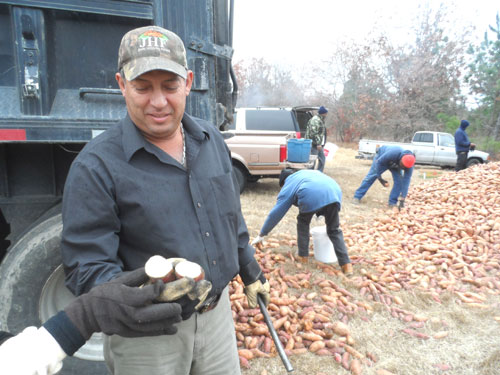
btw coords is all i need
(462, 143)
(126, 200)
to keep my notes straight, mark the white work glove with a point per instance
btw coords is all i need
(32, 352)
(257, 240)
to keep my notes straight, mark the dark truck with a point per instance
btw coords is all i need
(57, 91)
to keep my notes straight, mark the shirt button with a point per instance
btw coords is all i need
(198, 204)
(214, 262)
(207, 234)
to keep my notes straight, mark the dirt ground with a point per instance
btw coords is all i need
(473, 343)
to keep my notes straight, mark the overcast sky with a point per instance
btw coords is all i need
(298, 31)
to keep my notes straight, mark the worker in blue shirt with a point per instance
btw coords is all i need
(400, 162)
(462, 146)
(313, 193)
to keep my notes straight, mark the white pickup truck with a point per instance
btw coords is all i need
(431, 148)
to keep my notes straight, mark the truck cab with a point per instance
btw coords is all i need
(437, 148)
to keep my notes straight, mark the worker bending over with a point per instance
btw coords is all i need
(313, 193)
(400, 162)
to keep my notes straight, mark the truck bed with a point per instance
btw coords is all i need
(262, 152)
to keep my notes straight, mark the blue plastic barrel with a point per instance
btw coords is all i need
(299, 150)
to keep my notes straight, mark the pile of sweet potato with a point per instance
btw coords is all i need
(447, 239)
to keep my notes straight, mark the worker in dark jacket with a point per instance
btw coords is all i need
(400, 162)
(122, 307)
(313, 193)
(462, 146)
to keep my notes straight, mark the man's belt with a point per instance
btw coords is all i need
(209, 304)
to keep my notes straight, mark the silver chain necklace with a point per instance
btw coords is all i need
(183, 161)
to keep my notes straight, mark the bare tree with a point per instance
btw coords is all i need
(374, 88)
(391, 91)
(426, 76)
(263, 84)
(484, 79)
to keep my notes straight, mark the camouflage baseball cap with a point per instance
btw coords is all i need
(151, 48)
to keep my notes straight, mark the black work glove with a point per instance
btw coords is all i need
(194, 299)
(401, 203)
(188, 307)
(383, 182)
(124, 308)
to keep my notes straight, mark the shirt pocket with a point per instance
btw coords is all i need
(225, 196)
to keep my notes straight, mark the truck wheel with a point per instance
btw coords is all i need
(32, 290)
(241, 177)
(4, 232)
(473, 161)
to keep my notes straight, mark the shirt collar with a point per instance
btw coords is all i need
(133, 140)
(194, 128)
(131, 137)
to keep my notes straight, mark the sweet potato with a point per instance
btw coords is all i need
(245, 353)
(340, 328)
(356, 367)
(311, 336)
(260, 330)
(316, 345)
(189, 269)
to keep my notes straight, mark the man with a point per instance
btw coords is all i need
(400, 162)
(119, 307)
(316, 131)
(313, 193)
(160, 183)
(462, 146)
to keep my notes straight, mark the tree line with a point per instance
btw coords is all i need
(376, 89)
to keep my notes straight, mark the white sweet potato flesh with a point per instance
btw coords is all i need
(189, 269)
(157, 267)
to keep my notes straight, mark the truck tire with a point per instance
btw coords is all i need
(241, 177)
(473, 161)
(32, 289)
(4, 232)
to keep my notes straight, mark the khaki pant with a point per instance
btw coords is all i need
(204, 344)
